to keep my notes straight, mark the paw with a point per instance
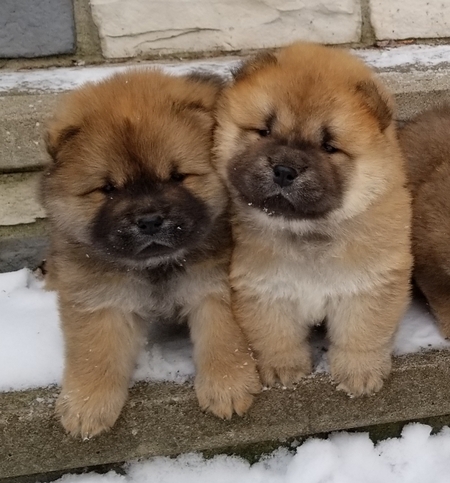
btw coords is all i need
(228, 388)
(287, 371)
(359, 373)
(88, 414)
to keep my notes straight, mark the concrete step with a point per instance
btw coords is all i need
(164, 419)
(417, 75)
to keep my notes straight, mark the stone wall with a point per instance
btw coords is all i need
(131, 28)
(98, 30)
(135, 27)
(34, 28)
(403, 19)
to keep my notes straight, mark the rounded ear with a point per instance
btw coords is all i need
(255, 63)
(208, 78)
(198, 99)
(56, 137)
(378, 102)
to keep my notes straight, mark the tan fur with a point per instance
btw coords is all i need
(350, 266)
(426, 144)
(132, 131)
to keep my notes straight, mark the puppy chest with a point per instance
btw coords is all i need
(161, 301)
(175, 297)
(308, 282)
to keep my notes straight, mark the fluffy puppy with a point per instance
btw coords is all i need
(426, 145)
(306, 144)
(139, 232)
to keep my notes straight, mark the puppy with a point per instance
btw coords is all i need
(307, 146)
(139, 232)
(426, 144)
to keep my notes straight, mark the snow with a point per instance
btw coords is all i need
(421, 56)
(31, 346)
(67, 78)
(55, 80)
(415, 457)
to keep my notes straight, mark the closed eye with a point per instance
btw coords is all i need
(107, 189)
(263, 132)
(328, 142)
(329, 148)
(178, 177)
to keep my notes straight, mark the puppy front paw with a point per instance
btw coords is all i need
(359, 373)
(226, 388)
(287, 369)
(86, 414)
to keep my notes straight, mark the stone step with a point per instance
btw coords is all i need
(164, 419)
(22, 125)
(417, 75)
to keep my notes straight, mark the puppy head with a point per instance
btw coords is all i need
(304, 135)
(131, 176)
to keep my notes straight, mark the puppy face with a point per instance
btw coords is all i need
(301, 134)
(131, 176)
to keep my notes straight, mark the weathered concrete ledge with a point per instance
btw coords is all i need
(22, 245)
(164, 419)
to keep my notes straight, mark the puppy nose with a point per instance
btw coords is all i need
(284, 175)
(150, 224)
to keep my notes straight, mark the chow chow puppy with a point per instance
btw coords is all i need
(306, 144)
(139, 232)
(426, 145)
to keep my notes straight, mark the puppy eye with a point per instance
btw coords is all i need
(108, 188)
(177, 177)
(329, 148)
(263, 132)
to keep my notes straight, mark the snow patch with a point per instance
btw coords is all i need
(56, 80)
(416, 457)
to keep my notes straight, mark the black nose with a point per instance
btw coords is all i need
(150, 224)
(283, 175)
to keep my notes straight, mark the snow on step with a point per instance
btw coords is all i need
(63, 79)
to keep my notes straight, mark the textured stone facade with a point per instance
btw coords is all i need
(36, 28)
(137, 27)
(400, 19)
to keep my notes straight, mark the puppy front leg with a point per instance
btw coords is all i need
(101, 349)
(435, 285)
(440, 306)
(361, 330)
(277, 335)
(226, 377)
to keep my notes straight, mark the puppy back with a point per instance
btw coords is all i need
(425, 142)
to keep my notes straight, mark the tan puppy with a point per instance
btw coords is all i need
(307, 146)
(426, 144)
(139, 232)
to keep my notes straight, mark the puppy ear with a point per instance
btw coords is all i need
(57, 137)
(257, 62)
(208, 78)
(199, 100)
(377, 101)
